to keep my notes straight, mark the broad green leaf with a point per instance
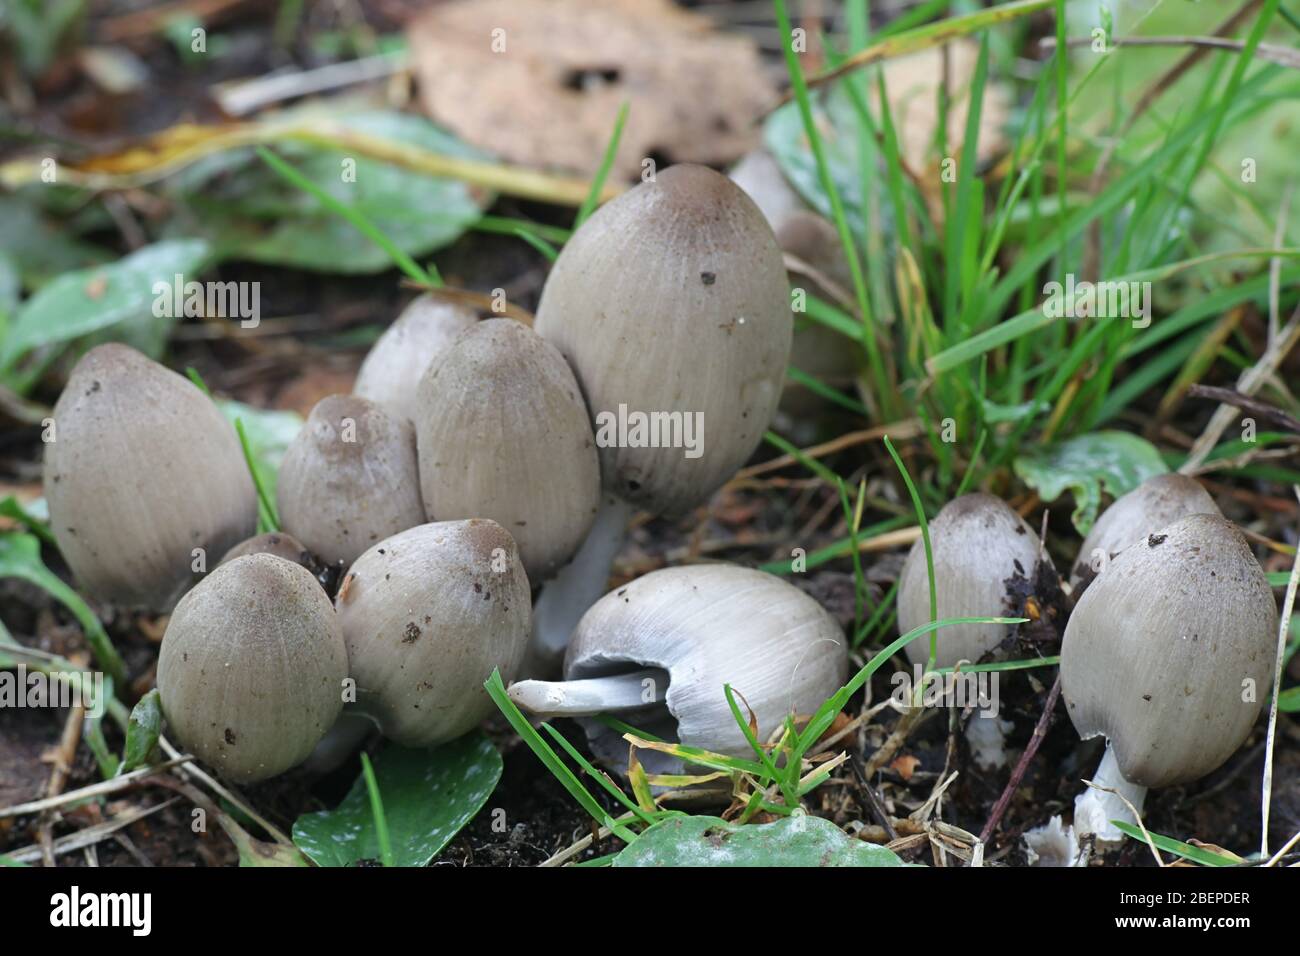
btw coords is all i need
(797, 841)
(783, 135)
(117, 298)
(428, 795)
(142, 731)
(1116, 462)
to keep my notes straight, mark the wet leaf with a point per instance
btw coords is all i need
(142, 731)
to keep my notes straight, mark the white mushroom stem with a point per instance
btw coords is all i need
(986, 735)
(579, 585)
(339, 743)
(583, 698)
(1094, 808)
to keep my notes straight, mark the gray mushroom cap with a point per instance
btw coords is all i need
(672, 299)
(143, 470)
(279, 543)
(503, 433)
(1158, 501)
(1170, 651)
(979, 542)
(427, 615)
(349, 479)
(392, 369)
(252, 667)
(706, 626)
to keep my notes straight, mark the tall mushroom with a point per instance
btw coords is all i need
(146, 481)
(503, 433)
(670, 303)
(1168, 655)
(659, 650)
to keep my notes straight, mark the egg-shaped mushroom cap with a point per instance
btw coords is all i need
(252, 667)
(979, 544)
(391, 371)
(503, 433)
(143, 478)
(1160, 500)
(706, 626)
(279, 543)
(427, 615)
(1169, 653)
(349, 479)
(671, 305)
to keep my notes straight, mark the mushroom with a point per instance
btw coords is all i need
(145, 480)
(427, 614)
(392, 369)
(978, 544)
(658, 651)
(349, 479)
(503, 433)
(1158, 501)
(278, 543)
(1168, 655)
(252, 667)
(670, 303)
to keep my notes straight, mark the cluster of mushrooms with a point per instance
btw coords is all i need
(464, 513)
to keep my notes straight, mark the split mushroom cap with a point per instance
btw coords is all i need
(1158, 501)
(279, 543)
(979, 543)
(392, 369)
(252, 667)
(349, 479)
(503, 433)
(695, 628)
(1163, 647)
(143, 470)
(427, 614)
(672, 299)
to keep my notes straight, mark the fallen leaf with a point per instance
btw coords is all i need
(905, 766)
(539, 82)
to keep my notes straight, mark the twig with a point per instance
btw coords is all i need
(93, 790)
(91, 835)
(1247, 404)
(1018, 774)
(193, 770)
(907, 428)
(1281, 55)
(63, 757)
(872, 800)
(1288, 606)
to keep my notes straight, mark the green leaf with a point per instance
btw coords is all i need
(1188, 852)
(269, 433)
(1289, 700)
(116, 298)
(783, 135)
(1114, 461)
(428, 795)
(11, 507)
(142, 731)
(796, 841)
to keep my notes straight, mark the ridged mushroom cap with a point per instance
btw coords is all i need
(1169, 653)
(427, 614)
(706, 626)
(392, 369)
(252, 667)
(279, 543)
(1158, 501)
(143, 469)
(503, 433)
(979, 542)
(672, 298)
(349, 479)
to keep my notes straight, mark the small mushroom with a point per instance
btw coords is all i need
(503, 433)
(392, 369)
(658, 651)
(427, 614)
(146, 481)
(1158, 501)
(252, 667)
(1168, 655)
(279, 543)
(671, 305)
(349, 479)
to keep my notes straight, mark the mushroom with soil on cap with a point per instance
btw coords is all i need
(1168, 655)
(979, 545)
(391, 371)
(427, 615)
(659, 650)
(671, 305)
(146, 481)
(252, 667)
(349, 479)
(503, 433)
